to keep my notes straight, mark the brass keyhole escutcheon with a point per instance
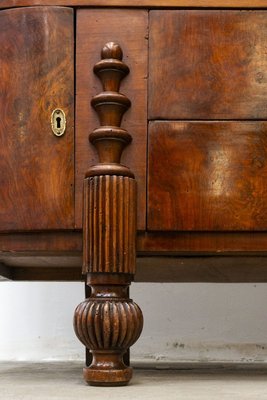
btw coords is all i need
(58, 122)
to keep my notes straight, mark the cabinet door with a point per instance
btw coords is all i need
(36, 77)
(208, 159)
(208, 64)
(207, 175)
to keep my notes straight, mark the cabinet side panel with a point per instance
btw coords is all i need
(129, 29)
(36, 77)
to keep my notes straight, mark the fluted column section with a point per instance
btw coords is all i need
(108, 323)
(111, 225)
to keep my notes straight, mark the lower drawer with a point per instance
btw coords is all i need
(207, 176)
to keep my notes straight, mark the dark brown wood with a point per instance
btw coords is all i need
(5, 272)
(108, 322)
(88, 354)
(47, 274)
(207, 176)
(36, 76)
(140, 3)
(201, 242)
(92, 33)
(207, 64)
(219, 269)
(203, 65)
(69, 243)
(41, 242)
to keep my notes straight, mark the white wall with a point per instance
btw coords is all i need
(183, 322)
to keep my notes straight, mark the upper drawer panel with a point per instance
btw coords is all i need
(208, 64)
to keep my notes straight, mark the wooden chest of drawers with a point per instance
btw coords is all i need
(195, 75)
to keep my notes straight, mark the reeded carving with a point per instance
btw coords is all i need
(110, 224)
(108, 323)
(110, 189)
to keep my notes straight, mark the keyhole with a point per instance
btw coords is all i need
(58, 119)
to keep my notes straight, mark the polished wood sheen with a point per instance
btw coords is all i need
(36, 76)
(139, 3)
(108, 322)
(207, 64)
(178, 94)
(92, 33)
(207, 176)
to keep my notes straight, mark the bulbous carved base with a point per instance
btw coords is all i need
(108, 324)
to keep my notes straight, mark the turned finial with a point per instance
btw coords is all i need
(110, 139)
(112, 50)
(111, 69)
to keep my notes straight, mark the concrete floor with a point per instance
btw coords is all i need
(56, 381)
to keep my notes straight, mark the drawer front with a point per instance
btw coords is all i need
(94, 29)
(207, 176)
(208, 64)
(36, 77)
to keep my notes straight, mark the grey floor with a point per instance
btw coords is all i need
(56, 381)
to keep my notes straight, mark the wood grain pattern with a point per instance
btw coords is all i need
(207, 176)
(36, 76)
(208, 65)
(69, 243)
(139, 3)
(41, 242)
(92, 33)
(177, 243)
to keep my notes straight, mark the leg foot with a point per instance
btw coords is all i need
(108, 323)
(107, 369)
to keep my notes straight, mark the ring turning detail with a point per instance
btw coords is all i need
(108, 322)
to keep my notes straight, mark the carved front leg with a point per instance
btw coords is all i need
(108, 322)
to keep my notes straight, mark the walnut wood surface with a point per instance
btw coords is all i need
(207, 64)
(147, 243)
(201, 242)
(108, 323)
(110, 225)
(153, 243)
(139, 3)
(202, 269)
(92, 33)
(36, 76)
(207, 176)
